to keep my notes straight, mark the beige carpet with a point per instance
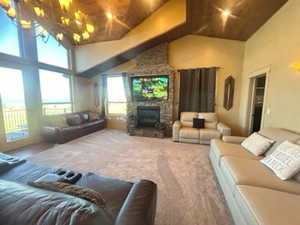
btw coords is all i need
(187, 191)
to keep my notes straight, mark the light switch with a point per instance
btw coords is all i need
(268, 111)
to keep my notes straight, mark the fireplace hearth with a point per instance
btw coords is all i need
(148, 116)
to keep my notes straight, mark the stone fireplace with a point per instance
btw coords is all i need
(148, 116)
(153, 62)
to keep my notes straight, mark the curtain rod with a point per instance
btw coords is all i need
(217, 67)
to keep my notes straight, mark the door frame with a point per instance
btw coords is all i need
(6, 146)
(252, 78)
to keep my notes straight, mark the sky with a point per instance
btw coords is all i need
(115, 89)
(11, 86)
(9, 36)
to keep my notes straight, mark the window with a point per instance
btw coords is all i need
(52, 52)
(116, 96)
(13, 104)
(9, 39)
(56, 92)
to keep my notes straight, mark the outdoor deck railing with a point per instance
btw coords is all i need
(15, 119)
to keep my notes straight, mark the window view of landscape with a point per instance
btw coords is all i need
(116, 96)
(13, 104)
(56, 93)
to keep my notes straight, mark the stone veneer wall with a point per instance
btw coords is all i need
(153, 62)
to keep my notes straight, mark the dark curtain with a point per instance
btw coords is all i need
(103, 95)
(197, 90)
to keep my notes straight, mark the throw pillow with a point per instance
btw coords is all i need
(93, 116)
(74, 119)
(257, 144)
(70, 189)
(85, 117)
(284, 161)
(198, 123)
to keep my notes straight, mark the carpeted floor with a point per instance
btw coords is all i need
(187, 191)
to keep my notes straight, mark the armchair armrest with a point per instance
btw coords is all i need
(224, 129)
(176, 128)
(233, 139)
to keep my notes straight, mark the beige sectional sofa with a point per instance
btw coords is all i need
(255, 195)
(183, 130)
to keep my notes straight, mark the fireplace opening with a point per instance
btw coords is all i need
(148, 116)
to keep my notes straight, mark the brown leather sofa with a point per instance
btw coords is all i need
(126, 203)
(63, 128)
(254, 194)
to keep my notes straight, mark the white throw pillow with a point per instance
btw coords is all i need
(284, 161)
(257, 144)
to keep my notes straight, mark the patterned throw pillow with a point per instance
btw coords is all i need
(94, 116)
(257, 144)
(284, 161)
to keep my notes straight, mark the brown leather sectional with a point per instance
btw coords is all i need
(126, 203)
(63, 128)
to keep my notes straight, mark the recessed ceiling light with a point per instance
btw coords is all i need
(109, 15)
(226, 13)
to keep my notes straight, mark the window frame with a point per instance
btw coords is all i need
(108, 102)
(55, 69)
(27, 61)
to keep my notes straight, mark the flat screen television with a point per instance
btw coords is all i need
(150, 88)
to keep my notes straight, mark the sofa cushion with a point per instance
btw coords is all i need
(284, 161)
(251, 172)
(209, 134)
(257, 144)
(270, 207)
(189, 133)
(221, 149)
(279, 135)
(211, 120)
(186, 118)
(74, 119)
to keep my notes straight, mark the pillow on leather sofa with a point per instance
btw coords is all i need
(74, 119)
(85, 117)
(93, 116)
(284, 161)
(22, 205)
(257, 144)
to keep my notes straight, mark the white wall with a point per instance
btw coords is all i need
(276, 45)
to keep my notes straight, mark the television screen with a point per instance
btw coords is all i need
(150, 88)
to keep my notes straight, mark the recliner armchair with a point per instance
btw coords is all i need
(183, 130)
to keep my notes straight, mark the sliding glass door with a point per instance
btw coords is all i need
(13, 114)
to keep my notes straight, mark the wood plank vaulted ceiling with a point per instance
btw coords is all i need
(128, 13)
(203, 18)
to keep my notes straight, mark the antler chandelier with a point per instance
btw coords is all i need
(59, 16)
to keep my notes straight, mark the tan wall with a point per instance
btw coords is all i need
(193, 51)
(196, 51)
(82, 94)
(170, 15)
(276, 45)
